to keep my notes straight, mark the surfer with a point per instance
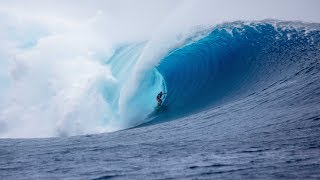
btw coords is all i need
(159, 96)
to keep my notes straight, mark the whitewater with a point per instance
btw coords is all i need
(78, 90)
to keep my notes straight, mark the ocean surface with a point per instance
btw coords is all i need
(243, 102)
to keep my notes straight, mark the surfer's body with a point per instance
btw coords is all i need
(159, 96)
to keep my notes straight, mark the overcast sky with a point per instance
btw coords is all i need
(138, 18)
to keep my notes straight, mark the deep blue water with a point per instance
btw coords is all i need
(243, 102)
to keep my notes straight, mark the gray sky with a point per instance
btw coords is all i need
(140, 18)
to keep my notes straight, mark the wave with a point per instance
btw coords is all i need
(199, 70)
(233, 61)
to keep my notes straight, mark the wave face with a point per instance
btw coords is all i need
(236, 60)
(228, 62)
